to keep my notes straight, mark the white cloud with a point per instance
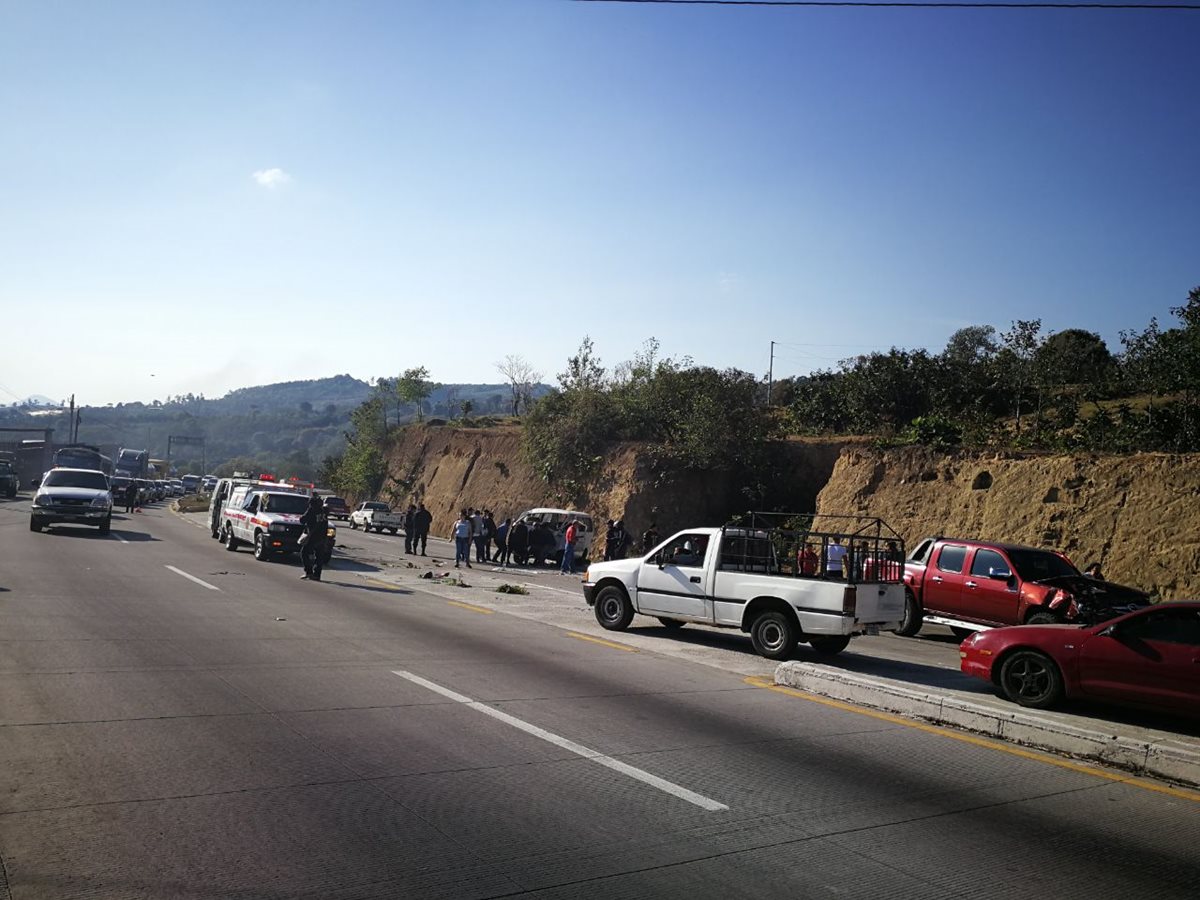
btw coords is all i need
(272, 178)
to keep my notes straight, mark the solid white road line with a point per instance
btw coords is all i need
(616, 765)
(211, 587)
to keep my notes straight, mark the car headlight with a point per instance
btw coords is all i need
(331, 532)
(278, 526)
(101, 502)
(41, 500)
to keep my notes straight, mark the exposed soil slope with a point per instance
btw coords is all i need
(1133, 514)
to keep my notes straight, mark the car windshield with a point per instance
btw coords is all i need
(382, 507)
(334, 501)
(290, 504)
(65, 478)
(1037, 565)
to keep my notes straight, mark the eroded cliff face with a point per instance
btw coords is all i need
(448, 468)
(1136, 515)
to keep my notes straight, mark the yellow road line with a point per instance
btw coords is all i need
(762, 681)
(600, 641)
(478, 609)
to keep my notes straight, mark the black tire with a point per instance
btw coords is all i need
(230, 542)
(393, 530)
(354, 525)
(1043, 617)
(913, 616)
(671, 624)
(829, 644)
(774, 635)
(35, 524)
(1031, 679)
(961, 633)
(614, 612)
(261, 551)
(106, 525)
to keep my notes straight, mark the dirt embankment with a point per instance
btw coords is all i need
(1134, 514)
(448, 468)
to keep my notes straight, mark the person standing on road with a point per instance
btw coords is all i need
(422, 520)
(130, 496)
(610, 539)
(649, 538)
(478, 534)
(410, 516)
(518, 542)
(502, 541)
(316, 528)
(568, 560)
(489, 534)
(622, 540)
(462, 540)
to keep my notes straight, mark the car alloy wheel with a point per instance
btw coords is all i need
(1031, 679)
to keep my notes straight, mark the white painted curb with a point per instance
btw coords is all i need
(1159, 758)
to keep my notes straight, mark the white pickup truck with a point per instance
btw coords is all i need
(782, 585)
(377, 515)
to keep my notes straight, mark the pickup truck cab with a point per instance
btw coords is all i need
(973, 585)
(268, 520)
(752, 578)
(377, 515)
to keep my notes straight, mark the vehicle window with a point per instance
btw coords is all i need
(287, 504)
(989, 564)
(96, 481)
(382, 507)
(1034, 565)
(921, 551)
(684, 550)
(746, 551)
(951, 558)
(1174, 626)
(252, 503)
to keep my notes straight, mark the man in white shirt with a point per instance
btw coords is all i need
(835, 555)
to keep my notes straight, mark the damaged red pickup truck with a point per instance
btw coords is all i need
(972, 585)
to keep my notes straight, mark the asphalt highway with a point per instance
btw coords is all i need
(177, 721)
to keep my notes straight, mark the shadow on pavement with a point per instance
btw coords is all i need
(88, 531)
(135, 537)
(368, 587)
(347, 564)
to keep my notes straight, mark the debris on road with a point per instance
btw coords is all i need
(512, 589)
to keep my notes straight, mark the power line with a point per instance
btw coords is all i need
(915, 4)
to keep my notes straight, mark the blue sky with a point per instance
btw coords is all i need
(223, 194)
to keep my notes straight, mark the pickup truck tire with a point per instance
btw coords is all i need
(1043, 617)
(913, 616)
(829, 644)
(1031, 679)
(774, 635)
(671, 624)
(353, 524)
(35, 524)
(261, 551)
(392, 530)
(227, 538)
(614, 612)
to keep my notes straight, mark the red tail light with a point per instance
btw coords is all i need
(849, 600)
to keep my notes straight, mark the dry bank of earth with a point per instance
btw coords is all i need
(1134, 514)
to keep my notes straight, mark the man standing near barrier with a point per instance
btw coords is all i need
(422, 520)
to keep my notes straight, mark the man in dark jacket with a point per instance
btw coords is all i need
(316, 526)
(518, 542)
(422, 520)
(410, 524)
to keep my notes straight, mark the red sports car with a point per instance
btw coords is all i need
(1147, 658)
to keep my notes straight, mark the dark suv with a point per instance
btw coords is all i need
(9, 482)
(336, 508)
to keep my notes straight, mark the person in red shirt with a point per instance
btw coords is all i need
(806, 560)
(568, 560)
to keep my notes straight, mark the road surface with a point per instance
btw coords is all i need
(177, 721)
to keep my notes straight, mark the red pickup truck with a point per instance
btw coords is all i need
(973, 585)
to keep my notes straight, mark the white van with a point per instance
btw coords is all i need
(556, 520)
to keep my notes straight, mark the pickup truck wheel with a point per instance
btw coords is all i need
(35, 524)
(614, 612)
(1043, 618)
(774, 635)
(261, 551)
(1031, 679)
(392, 530)
(911, 623)
(671, 624)
(230, 542)
(829, 644)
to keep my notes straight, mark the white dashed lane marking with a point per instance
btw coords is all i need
(211, 587)
(615, 764)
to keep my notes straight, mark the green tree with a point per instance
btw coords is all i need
(1019, 346)
(414, 387)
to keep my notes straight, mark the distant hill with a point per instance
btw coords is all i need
(340, 390)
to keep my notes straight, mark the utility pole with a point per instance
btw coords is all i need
(771, 374)
(71, 422)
